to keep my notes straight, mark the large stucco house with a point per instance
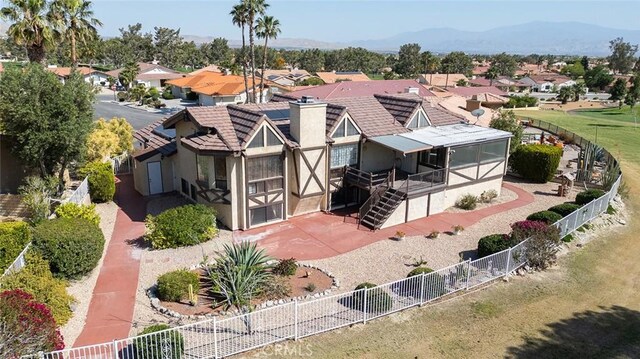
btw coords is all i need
(391, 158)
(216, 88)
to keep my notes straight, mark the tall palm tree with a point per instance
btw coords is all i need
(77, 18)
(240, 18)
(33, 26)
(266, 27)
(254, 8)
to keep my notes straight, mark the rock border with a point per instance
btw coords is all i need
(156, 304)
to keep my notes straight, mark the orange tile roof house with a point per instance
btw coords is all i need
(337, 76)
(263, 163)
(90, 75)
(215, 88)
(151, 75)
(442, 80)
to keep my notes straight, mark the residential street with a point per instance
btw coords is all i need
(105, 108)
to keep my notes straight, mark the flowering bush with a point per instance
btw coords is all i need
(525, 229)
(26, 326)
(543, 242)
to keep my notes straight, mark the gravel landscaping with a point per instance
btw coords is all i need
(82, 289)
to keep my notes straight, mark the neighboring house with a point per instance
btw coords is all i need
(442, 80)
(337, 76)
(288, 78)
(394, 157)
(546, 82)
(210, 68)
(151, 75)
(469, 92)
(12, 171)
(215, 88)
(529, 69)
(504, 83)
(90, 75)
(480, 70)
(363, 88)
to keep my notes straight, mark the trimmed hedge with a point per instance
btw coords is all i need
(14, 236)
(73, 246)
(494, 243)
(102, 182)
(564, 209)
(73, 210)
(547, 217)
(174, 286)
(589, 195)
(36, 279)
(378, 300)
(419, 271)
(151, 346)
(537, 162)
(181, 226)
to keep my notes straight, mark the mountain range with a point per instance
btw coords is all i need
(571, 38)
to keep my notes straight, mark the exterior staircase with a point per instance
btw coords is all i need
(381, 208)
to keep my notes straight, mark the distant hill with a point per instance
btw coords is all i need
(279, 43)
(534, 37)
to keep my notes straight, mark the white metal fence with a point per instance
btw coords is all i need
(121, 164)
(18, 263)
(217, 338)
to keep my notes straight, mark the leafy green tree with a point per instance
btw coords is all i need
(312, 60)
(191, 56)
(598, 77)
(266, 27)
(168, 43)
(129, 73)
(618, 91)
(218, 52)
(507, 121)
(390, 75)
(456, 62)
(409, 61)
(578, 90)
(240, 18)
(565, 94)
(504, 65)
(491, 75)
(622, 56)
(311, 81)
(77, 18)
(138, 46)
(584, 61)
(47, 121)
(33, 26)
(430, 62)
(575, 70)
(633, 95)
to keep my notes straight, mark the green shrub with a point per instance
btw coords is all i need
(36, 279)
(73, 210)
(611, 210)
(153, 93)
(167, 95)
(419, 271)
(151, 346)
(102, 182)
(547, 217)
(73, 246)
(589, 195)
(174, 286)
(191, 96)
(565, 209)
(537, 162)
(468, 202)
(122, 96)
(568, 238)
(378, 300)
(494, 243)
(14, 236)
(285, 267)
(181, 226)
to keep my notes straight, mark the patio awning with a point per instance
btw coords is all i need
(455, 135)
(400, 143)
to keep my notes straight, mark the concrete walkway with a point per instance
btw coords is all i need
(111, 309)
(323, 235)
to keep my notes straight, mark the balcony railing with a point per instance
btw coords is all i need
(368, 180)
(419, 182)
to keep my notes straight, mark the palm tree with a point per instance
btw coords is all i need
(491, 75)
(267, 27)
(239, 18)
(33, 26)
(254, 7)
(77, 18)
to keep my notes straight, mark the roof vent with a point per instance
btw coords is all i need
(413, 90)
(307, 99)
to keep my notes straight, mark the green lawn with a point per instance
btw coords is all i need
(376, 76)
(616, 129)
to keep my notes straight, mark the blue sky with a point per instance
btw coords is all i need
(339, 21)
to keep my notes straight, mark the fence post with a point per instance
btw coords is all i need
(364, 305)
(295, 318)
(508, 270)
(114, 349)
(215, 338)
(466, 287)
(422, 280)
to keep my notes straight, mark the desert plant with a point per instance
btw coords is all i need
(275, 288)
(457, 229)
(149, 345)
(26, 326)
(548, 217)
(310, 287)
(378, 300)
(285, 267)
(102, 182)
(419, 262)
(433, 234)
(36, 192)
(564, 209)
(488, 196)
(467, 202)
(73, 246)
(400, 235)
(494, 243)
(418, 271)
(14, 236)
(73, 210)
(181, 226)
(524, 229)
(589, 195)
(174, 286)
(36, 279)
(536, 162)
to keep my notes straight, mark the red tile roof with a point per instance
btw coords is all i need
(361, 88)
(470, 91)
